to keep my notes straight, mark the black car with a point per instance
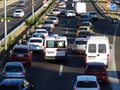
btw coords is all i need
(79, 22)
(15, 84)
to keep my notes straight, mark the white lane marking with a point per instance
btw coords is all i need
(60, 70)
(112, 74)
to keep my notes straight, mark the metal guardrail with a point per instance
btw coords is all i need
(19, 29)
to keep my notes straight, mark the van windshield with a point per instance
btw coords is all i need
(55, 44)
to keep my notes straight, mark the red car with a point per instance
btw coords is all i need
(21, 53)
(97, 69)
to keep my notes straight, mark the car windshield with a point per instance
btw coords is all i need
(8, 87)
(20, 51)
(86, 84)
(95, 69)
(13, 69)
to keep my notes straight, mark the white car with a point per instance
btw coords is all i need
(14, 69)
(70, 13)
(35, 43)
(86, 82)
(18, 13)
(49, 23)
(42, 31)
(54, 19)
(56, 11)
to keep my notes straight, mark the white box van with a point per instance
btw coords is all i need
(55, 47)
(97, 49)
(80, 7)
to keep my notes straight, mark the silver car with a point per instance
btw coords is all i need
(79, 45)
(14, 69)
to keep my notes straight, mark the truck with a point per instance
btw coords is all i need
(80, 7)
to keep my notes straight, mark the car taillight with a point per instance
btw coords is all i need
(23, 73)
(108, 57)
(3, 73)
(98, 88)
(74, 46)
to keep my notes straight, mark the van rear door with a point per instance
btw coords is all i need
(97, 53)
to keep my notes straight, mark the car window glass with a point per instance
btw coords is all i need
(81, 42)
(20, 51)
(102, 48)
(92, 48)
(13, 69)
(36, 41)
(86, 84)
(9, 87)
(41, 31)
(95, 69)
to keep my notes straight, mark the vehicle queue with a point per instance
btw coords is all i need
(54, 46)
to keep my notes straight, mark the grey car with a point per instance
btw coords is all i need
(13, 69)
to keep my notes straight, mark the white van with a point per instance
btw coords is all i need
(55, 47)
(97, 49)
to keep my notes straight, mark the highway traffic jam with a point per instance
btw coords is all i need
(47, 46)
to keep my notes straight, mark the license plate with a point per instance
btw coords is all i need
(50, 52)
(20, 55)
(91, 57)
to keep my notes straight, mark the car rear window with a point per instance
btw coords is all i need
(87, 84)
(41, 32)
(8, 87)
(95, 69)
(13, 69)
(81, 42)
(36, 41)
(20, 51)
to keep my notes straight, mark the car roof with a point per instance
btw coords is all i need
(11, 81)
(13, 63)
(20, 46)
(39, 34)
(86, 78)
(35, 38)
(78, 39)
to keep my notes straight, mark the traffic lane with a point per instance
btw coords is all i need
(117, 51)
(16, 21)
(47, 75)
